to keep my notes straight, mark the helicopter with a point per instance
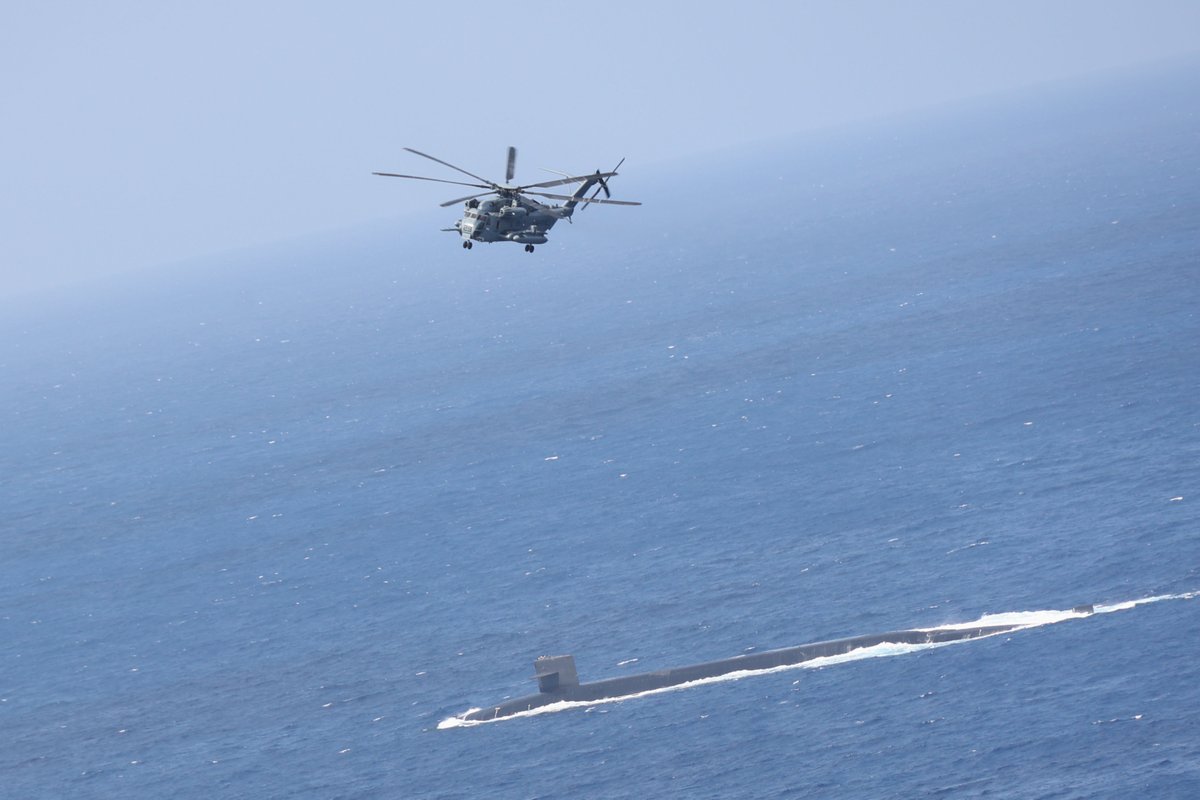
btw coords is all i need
(513, 215)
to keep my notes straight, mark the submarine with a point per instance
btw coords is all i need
(558, 680)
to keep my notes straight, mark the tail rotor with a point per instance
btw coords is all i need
(602, 185)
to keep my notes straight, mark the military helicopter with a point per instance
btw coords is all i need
(512, 215)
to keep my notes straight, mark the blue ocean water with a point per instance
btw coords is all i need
(268, 520)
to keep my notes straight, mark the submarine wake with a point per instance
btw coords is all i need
(561, 691)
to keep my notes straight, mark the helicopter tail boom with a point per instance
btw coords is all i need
(580, 194)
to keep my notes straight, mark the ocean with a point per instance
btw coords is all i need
(272, 520)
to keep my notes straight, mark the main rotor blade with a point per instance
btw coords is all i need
(464, 199)
(512, 164)
(435, 180)
(451, 166)
(585, 200)
(566, 180)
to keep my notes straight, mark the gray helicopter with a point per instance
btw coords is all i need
(512, 215)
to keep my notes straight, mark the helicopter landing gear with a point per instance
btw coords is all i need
(528, 248)
(467, 245)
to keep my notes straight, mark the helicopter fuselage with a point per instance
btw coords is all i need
(516, 219)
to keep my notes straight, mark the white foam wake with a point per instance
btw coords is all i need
(1128, 604)
(1022, 619)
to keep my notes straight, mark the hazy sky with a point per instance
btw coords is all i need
(139, 133)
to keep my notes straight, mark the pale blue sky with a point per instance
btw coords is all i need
(140, 133)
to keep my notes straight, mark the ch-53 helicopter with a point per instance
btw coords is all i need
(512, 216)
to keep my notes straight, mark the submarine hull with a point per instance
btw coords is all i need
(558, 683)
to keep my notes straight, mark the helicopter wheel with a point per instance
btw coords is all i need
(467, 245)
(528, 248)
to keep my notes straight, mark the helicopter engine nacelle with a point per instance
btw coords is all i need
(528, 237)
